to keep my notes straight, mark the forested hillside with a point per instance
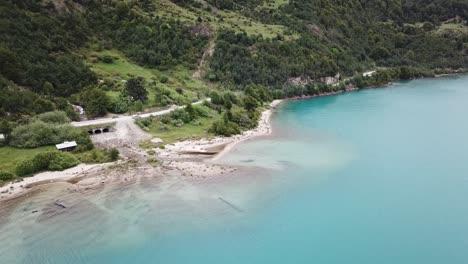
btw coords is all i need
(57, 52)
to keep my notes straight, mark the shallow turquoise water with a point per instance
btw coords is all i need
(375, 176)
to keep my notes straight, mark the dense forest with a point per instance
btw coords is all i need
(39, 63)
(342, 37)
(42, 68)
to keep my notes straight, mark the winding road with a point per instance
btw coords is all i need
(127, 118)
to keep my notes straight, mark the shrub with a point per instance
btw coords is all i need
(202, 111)
(50, 160)
(114, 154)
(216, 98)
(225, 128)
(34, 135)
(6, 176)
(54, 117)
(165, 119)
(164, 79)
(107, 59)
(241, 117)
(38, 134)
(62, 161)
(99, 156)
(182, 115)
(95, 101)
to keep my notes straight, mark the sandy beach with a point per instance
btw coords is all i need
(218, 146)
(193, 159)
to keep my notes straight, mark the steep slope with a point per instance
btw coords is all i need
(54, 49)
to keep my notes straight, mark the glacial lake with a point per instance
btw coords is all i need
(372, 176)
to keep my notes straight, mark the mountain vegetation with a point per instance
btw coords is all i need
(125, 56)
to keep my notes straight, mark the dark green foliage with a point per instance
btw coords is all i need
(55, 117)
(51, 160)
(120, 105)
(164, 79)
(191, 111)
(135, 88)
(107, 59)
(339, 37)
(36, 48)
(250, 103)
(189, 114)
(6, 176)
(181, 115)
(165, 97)
(38, 134)
(216, 98)
(225, 127)
(114, 154)
(95, 102)
(5, 128)
(154, 42)
(99, 156)
(39, 44)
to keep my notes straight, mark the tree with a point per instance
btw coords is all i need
(47, 88)
(191, 111)
(135, 88)
(216, 98)
(250, 103)
(9, 66)
(95, 102)
(5, 129)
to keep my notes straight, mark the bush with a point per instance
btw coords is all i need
(38, 134)
(201, 110)
(225, 128)
(54, 117)
(34, 135)
(182, 115)
(114, 154)
(99, 156)
(6, 176)
(62, 161)
(243, 118)
(120, 104)
(164, 79)
(216, 98)
(95, 101)
(107, 59)
(50, 160)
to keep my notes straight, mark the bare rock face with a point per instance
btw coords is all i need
(331, 79)
(299, 81)
(304, 80)
(201, 30)
(312, 28)
(63, 6)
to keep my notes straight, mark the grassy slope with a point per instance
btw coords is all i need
(9, 156)
(123, 68)
(274, 4)
(188, 131)
(458, 29)
(230, 20)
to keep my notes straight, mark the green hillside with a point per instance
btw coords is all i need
(53, 51)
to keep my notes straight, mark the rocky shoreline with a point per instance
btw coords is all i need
(194, 159)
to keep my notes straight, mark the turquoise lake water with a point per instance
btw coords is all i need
(373, 176)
